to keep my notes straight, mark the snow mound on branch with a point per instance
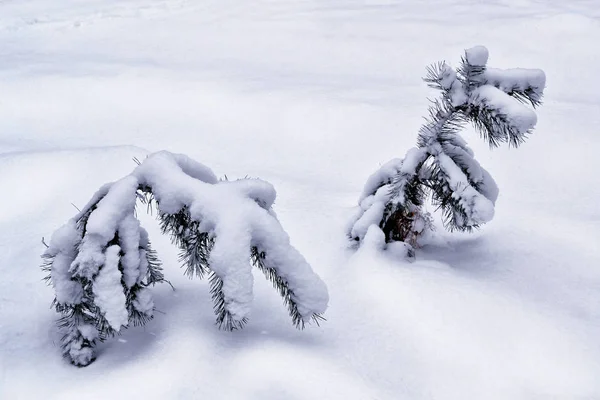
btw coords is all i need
(229, 210)
(130, 238)
(377, 192)
(518, 116)
(520, 79)
(371, 209)
(383, 176)
(143, 302)
(236, 213)
(487, 186)
(374, 197)
(108, 292)
(477, 55)
(374, 239)
(63, 247)
(449, 81)
(478, 208)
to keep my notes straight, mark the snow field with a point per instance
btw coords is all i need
(312, 97)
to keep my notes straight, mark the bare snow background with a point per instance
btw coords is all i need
(312, 96)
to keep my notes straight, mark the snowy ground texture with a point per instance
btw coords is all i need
(312, 96)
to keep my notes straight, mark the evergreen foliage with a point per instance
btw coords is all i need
(442, 166)
(101, 262)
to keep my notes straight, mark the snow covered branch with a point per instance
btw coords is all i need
(442, 165)
(101, 262)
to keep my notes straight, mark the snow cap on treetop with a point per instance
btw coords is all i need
(477, 55)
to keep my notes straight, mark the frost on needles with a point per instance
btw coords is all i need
(442, 167)
(100, 263)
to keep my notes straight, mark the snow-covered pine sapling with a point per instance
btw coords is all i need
(100, 262)
(442, 165)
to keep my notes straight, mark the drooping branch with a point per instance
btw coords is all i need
(101, 261)
(194, 245)
(526, 85)
(260, 260)
(96, 306)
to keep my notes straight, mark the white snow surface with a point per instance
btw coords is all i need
(311, 96)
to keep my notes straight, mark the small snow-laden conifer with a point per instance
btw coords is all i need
(101, 262)
(442, 167)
